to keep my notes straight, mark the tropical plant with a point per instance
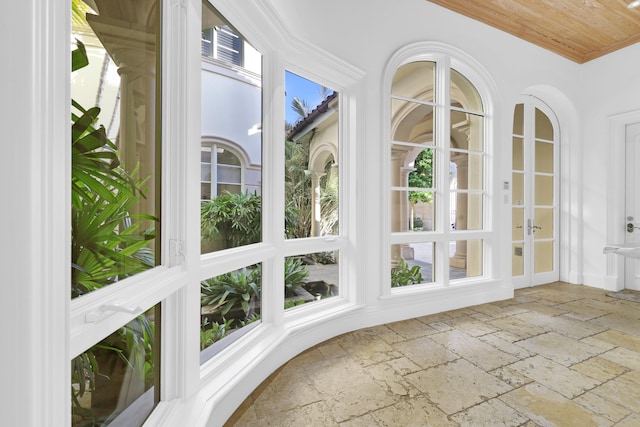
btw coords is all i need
(233, 219)
(298, 188)
(211, 332)
(294, 275)
(329, 203)
(402, 275)
(234, 290)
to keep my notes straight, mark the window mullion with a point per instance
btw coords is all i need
(443, 137)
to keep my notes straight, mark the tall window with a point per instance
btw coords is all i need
(230, 186)
(437, 175)
(116, 151)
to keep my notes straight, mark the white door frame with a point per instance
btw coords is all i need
(616, 218)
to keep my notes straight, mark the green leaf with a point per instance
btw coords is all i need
(79, 58)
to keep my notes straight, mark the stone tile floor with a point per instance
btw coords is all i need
(555, 355)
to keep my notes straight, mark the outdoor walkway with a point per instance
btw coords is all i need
(556, 355)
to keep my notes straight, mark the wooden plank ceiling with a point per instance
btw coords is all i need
(580, 30)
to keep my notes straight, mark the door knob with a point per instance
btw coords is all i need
(630, 227)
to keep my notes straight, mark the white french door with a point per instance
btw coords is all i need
(535, 194)
(632, 203)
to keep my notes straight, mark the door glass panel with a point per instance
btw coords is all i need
(517, 260)
(412, 264)
(415, 81)
(311, 164)
(518, 154)
(544, 190)
(544, 129)
(413, 122)
(518, 120)
(311, 277)
(518, 224)
(518, 188)
(543, 257)
(116, 380)
(463, 93)
(543, 223)
(465, 259)
(544, 157)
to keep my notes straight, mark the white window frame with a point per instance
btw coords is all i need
(446, 58)
(213, 145)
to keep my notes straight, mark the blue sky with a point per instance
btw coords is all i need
(303, 89)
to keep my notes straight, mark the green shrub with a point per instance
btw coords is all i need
(402, 275)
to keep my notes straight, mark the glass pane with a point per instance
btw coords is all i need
(517, 260)
(412, 263)
(543, 223)
(411, 122)
(544, 190)
(422, 174)
(205, 155)
(415, 80)
(518, 188)
(463, 93)
(310, 277)
(467, 131)
(465, 259)
(517, 232)
(544, 129)
(228, 303)
(543, 257)
(544, 157)
(518, 154)
(230, 188)
(311, 166)
(116, 380)
(226, 157)
(229, 174)
(205, 191)
(412, 211)
(518, 120)
(231, 111)
(205, 172)
(467, 210)
(467, 171)
(114, 143)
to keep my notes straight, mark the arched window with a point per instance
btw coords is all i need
(438, 169)
(220, 171)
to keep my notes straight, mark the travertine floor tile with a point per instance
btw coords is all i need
(437, 384)
(493, 413)
(418, 412)
(561, 349)
(548, 408)
(624, 390)
(602, 406)
(478, 352)
(600, 369)
(555, 376)
(425, 352)
(557, 355)
(349, 390)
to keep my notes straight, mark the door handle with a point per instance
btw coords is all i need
(630, 227)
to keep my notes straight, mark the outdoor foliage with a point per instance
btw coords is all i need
(232, 218)
(402, 275)
(234, 290)
(422, 177)
(294, 275)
